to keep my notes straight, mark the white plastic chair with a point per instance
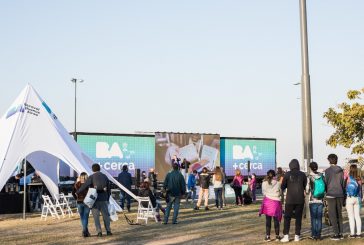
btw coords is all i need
(59, 206)
(63, 202)
(146, 210)
(48, 207)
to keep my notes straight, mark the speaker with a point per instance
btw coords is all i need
(137, 177)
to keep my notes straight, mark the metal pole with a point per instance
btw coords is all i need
(306, 90)
(75, 136)
(25, 188)
(306, 98)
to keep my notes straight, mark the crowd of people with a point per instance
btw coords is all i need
(284, 195)
(332, 186)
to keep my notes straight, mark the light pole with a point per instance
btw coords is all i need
(306, 97)
(75, 81)
(305, 89)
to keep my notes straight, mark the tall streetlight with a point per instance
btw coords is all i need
(305, 89)
(306, 97)
(75, 81)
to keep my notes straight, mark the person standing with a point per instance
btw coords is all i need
(124, 178)
(176, 160)
(295, 182)
(271, 205)
(82, 208)
(175, 186)
(224, 181)
(237, 185)
(191, 186)
(253, 187)
(204, 189)
(100, 182)
(184, 168)
(316, 191)
(217, 182)
(335, 186)
(353, 201)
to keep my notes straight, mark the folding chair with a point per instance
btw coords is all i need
(59, 207)
(48, 207)
(65, 204)
(146, 210)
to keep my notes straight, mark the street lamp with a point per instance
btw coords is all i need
(75, 81)
(305, 89)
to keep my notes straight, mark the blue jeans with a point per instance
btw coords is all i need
(84, 212)
(316, 218)
(192, 193)
(124, 196)
(175, 201)
(218, 197)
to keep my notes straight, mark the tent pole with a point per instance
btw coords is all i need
(25, 187)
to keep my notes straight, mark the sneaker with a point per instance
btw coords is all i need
(164, 223)
(99, 234)
(267, 239)
(207, 209)
(84, 234)
(278, 238)
(341, 236)
(335, 238)
(108, 233)
(312, 237)
(297, 238)
(352, 236)
(175, 223)
(358, 236)
(285, 238)
(196, 208)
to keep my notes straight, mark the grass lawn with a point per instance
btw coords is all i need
(234, 225)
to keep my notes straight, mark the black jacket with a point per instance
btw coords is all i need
(124, 178)
(295, 181)
(101, 183)
(205, 180)
(175, 184)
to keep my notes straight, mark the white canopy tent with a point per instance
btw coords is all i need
(30, 130)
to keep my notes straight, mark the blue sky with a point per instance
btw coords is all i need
(185, 66)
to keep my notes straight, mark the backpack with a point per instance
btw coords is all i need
(318, 190)
(352, 187)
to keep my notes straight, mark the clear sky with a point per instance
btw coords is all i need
(185, 66)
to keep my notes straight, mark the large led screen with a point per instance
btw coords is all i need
(235, 154)
(114, 151)
(201, 150)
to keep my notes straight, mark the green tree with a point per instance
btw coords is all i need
(348, 122)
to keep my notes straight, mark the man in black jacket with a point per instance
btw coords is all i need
(100, 182)
(295, 182)
(335, 185)
(124, 178)
(175, 186)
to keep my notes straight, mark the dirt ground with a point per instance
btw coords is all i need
(234, 225)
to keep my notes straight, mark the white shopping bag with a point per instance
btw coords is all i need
(112, 212)
(90, 197)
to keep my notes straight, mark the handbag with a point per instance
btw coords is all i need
(90, 197)
(112, 212)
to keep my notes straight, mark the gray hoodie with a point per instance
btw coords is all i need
(335, 184)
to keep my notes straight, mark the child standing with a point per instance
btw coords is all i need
(271, 205)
